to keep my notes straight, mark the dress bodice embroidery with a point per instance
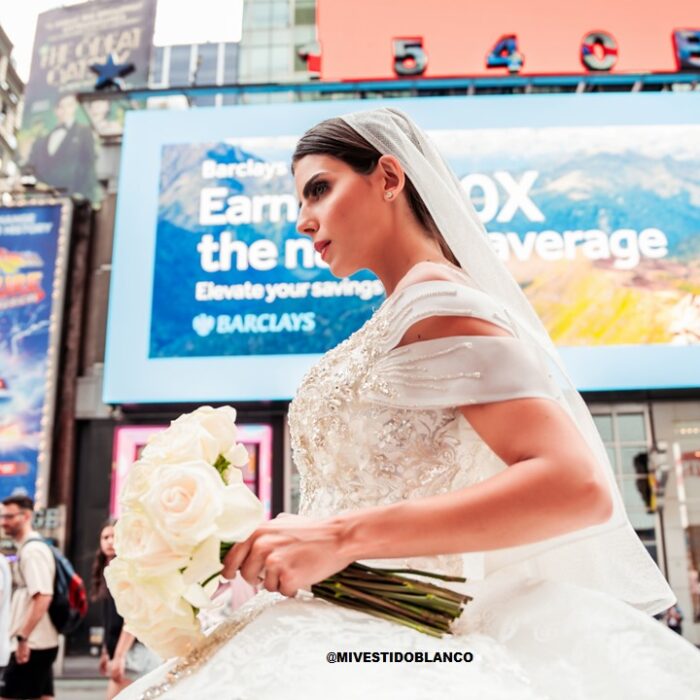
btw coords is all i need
(353, 451)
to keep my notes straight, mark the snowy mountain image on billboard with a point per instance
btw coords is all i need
(599, 225)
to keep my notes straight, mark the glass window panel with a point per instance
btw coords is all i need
(256, 37)
(231, 54)
(281, 37)
(628, 455)
(205, 71)
(304, 14)
(255, 63)
(280, 14)
(179, 65)
(157, 66)
(204, 100)
(304, 35)
(631, 428)
(632, 490)
(259, 15)
(280, 60)
(604, 425)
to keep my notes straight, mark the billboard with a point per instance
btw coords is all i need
(368, 40)
(591, 200)
(56, 140)
(33, 259)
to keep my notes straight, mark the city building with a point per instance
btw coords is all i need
(11, 90)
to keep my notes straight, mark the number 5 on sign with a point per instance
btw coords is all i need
(409, 57)
(505, 54)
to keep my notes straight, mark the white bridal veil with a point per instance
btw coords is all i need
(608, 557)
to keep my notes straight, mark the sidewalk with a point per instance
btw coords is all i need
(80, 680)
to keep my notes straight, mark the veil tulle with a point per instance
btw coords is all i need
(608, 557)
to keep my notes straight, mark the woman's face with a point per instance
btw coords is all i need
(107, 541)
(342, 211)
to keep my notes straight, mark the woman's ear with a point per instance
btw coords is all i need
(392, 176)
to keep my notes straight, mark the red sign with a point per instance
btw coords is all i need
(13, 468)
(389, 39)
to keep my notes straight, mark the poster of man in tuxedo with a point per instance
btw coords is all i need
(60, 140)
(65, 157)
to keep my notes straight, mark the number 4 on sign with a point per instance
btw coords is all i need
(505, 54)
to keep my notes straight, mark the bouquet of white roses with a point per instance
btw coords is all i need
(181, 501)
(185, 504)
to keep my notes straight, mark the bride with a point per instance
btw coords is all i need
(444, 435)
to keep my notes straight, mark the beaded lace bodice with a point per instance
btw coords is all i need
(373, 424)
(352, 451)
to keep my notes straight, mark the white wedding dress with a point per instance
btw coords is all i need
(374, 424)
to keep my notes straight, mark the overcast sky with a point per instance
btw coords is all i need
(177, 22)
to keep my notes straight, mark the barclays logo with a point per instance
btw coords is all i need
(203, 324)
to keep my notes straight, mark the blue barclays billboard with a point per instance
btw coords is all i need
(591, 200)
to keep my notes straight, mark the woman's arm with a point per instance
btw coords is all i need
(553, 485)
(118, 667)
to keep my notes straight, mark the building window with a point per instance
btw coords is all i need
(231, 54)
(205, 64)
(180, 72)
(625, 433)
(304, 12)
(157, 66)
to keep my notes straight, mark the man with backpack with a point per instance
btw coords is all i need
(34, 639)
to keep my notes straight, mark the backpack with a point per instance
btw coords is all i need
(69, 603)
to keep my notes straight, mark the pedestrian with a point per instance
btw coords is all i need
(673, 618)
(123, 658)
(5, 597)
(33, 638)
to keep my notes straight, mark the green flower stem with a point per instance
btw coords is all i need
(378, 609)
(377, 613)
(414, 572)
(429, 600)
(410, 584)
(422, 616)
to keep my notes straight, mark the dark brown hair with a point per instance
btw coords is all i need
(334, 137)
(22, 502)
(98, 587)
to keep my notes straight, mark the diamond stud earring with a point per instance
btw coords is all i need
(389, 195)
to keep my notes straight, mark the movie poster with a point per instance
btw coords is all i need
(33, 254)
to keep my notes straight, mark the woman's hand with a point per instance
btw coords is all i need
(289, 553)
(104, 663)
(117, 668)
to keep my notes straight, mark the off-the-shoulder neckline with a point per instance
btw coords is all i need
(400, 287)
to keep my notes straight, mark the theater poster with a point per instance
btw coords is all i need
(34, 241)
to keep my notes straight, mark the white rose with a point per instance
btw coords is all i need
(147, 603)
(169, 641)
(220, 423)
(137, 541)
(190, 503)
(182, 442)
(138, 480)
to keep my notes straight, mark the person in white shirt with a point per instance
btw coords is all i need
(5, 597)
(34, 639)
